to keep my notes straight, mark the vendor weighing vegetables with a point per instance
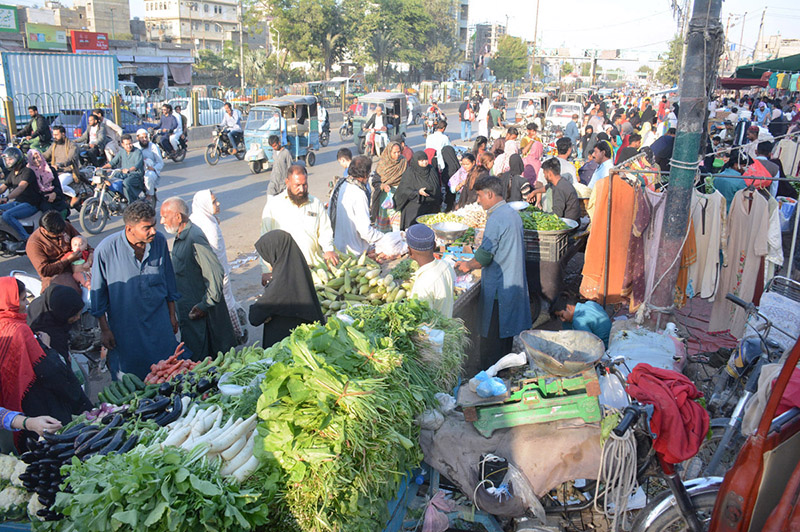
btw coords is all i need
(505, 302)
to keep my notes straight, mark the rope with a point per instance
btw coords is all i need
(682, 165)
(617, 475)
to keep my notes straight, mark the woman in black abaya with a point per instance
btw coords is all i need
(419, 192)
(289, 300)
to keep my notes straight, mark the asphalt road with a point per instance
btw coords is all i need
(242, 197)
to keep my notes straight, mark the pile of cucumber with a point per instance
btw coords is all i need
(125, 390)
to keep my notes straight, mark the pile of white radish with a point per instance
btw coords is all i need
(231, 442)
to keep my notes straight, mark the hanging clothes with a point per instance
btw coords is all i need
(688, 258)
(748, 222)
(619, 232)
(652, 237)
(774, 259)
(633, 285)
(787, 152)
(709, 214)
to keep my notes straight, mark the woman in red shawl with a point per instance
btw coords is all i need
(33, 378)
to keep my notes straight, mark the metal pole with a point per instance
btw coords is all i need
(113, 35)
(758, 39)
(241, 45)
(535, 32)
(741, 38)
(790, 267)
(700, 64)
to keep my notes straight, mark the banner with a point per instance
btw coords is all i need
(88, 42)
(44, 37)
(8, 18)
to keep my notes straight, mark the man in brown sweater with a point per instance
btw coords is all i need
(49, 251)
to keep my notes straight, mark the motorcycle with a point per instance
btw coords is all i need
(85, 160)
(176, 156)
(10, 244)
(325, 134)
(431, 118)
(221, 146)
(346, 129)
(24, 144)
(108, 199)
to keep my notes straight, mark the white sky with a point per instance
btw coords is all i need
(635, 25)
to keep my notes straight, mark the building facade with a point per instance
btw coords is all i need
(485, 43)
(202, 24)
(107, 16)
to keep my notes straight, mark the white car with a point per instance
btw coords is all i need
(211, 110)
(560, 114)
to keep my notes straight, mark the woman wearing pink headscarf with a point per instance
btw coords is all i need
(44, 175)
(532, 160)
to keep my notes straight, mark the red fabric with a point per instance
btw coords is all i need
(19, 350)
(791, 396)
(757, 170)
(431, 153)
(679, 423)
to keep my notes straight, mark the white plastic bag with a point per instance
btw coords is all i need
(392, 244)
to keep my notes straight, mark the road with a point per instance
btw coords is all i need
(242, 196)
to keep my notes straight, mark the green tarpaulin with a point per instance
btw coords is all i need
(789, 63)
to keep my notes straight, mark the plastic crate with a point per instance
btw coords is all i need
(545, 247)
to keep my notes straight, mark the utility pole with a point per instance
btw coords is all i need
(758, 39)
(535, 31)
(741, 38)
(697, 75)
(724, 67)
(241, 46)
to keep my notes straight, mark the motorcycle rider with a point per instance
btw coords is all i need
(63, 155)
(23, 199)
(432, 116)
(130, 160)
(165, 128)
(323, 119)
(175, 138)
(112, 130)
(184, 122)
(232, 121)
(36, 131)
(355, 107)
(94, 139)
(153, 163)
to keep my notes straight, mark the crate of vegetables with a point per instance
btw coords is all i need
(546, 235)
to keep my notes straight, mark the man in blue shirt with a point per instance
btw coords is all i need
(572, 132)
(588, 316)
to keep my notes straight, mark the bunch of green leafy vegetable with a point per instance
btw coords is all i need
(536, 220)
(154, 489)
(404, 270)
(338, 410)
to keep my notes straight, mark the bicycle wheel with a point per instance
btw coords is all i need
(94, 216)
(671, 519)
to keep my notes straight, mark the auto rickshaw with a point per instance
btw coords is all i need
(394, 109)
(293, 118)
(540, 103)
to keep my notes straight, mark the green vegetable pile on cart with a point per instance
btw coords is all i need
(534, 219)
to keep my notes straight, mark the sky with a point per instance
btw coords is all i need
(640, 27)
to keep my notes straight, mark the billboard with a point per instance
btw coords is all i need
(89, 42)
(44, 37)
(8, 18)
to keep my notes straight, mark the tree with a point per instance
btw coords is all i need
(567, 68)
(644, 69)
(510, 62)
(439, 49)
(586, 69)
(318, 36)
(670, 71)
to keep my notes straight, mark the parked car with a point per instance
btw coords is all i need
(211, 110)
(75, 121)
(559, 114)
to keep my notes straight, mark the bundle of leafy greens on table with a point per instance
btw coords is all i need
(338, 410)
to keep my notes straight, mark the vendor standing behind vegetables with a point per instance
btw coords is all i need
(134, 294)
(203, 316)
(505, 303)
(289, 299)
(435, 278)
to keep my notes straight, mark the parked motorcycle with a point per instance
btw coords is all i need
(108, 200)
(346, 129)
(221, 146)
(176, 156)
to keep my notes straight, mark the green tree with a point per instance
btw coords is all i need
(670, 71)
(510, 62)
(644, 69)
(586, 69)
(319, 36)
(567, 69)
(439, 49)
(216, 67)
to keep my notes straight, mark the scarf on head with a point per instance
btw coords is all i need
(501, 163)
(44, 176)
(203, 217)
(20, 352)
(50, 313)
(291, 293)
(391, 171)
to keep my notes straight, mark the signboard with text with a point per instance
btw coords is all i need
(89, 42)
(8, 18)
(45, 37)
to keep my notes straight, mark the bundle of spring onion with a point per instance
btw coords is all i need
(337, 415)
(356, 279)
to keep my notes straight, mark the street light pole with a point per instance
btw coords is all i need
(535, 31)
(241, 45)
(112, 24)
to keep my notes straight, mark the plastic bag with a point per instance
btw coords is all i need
(447, 403)
(522, 489)
(388, 203)
(492, 387)
(435, 337)
(392, 244)
(430, 420)
(787, 208)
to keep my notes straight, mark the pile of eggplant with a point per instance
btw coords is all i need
(47, 455)
(162, 409)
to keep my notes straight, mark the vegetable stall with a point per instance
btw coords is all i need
(315, 433)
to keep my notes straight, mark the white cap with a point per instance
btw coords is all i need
(140, 131)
